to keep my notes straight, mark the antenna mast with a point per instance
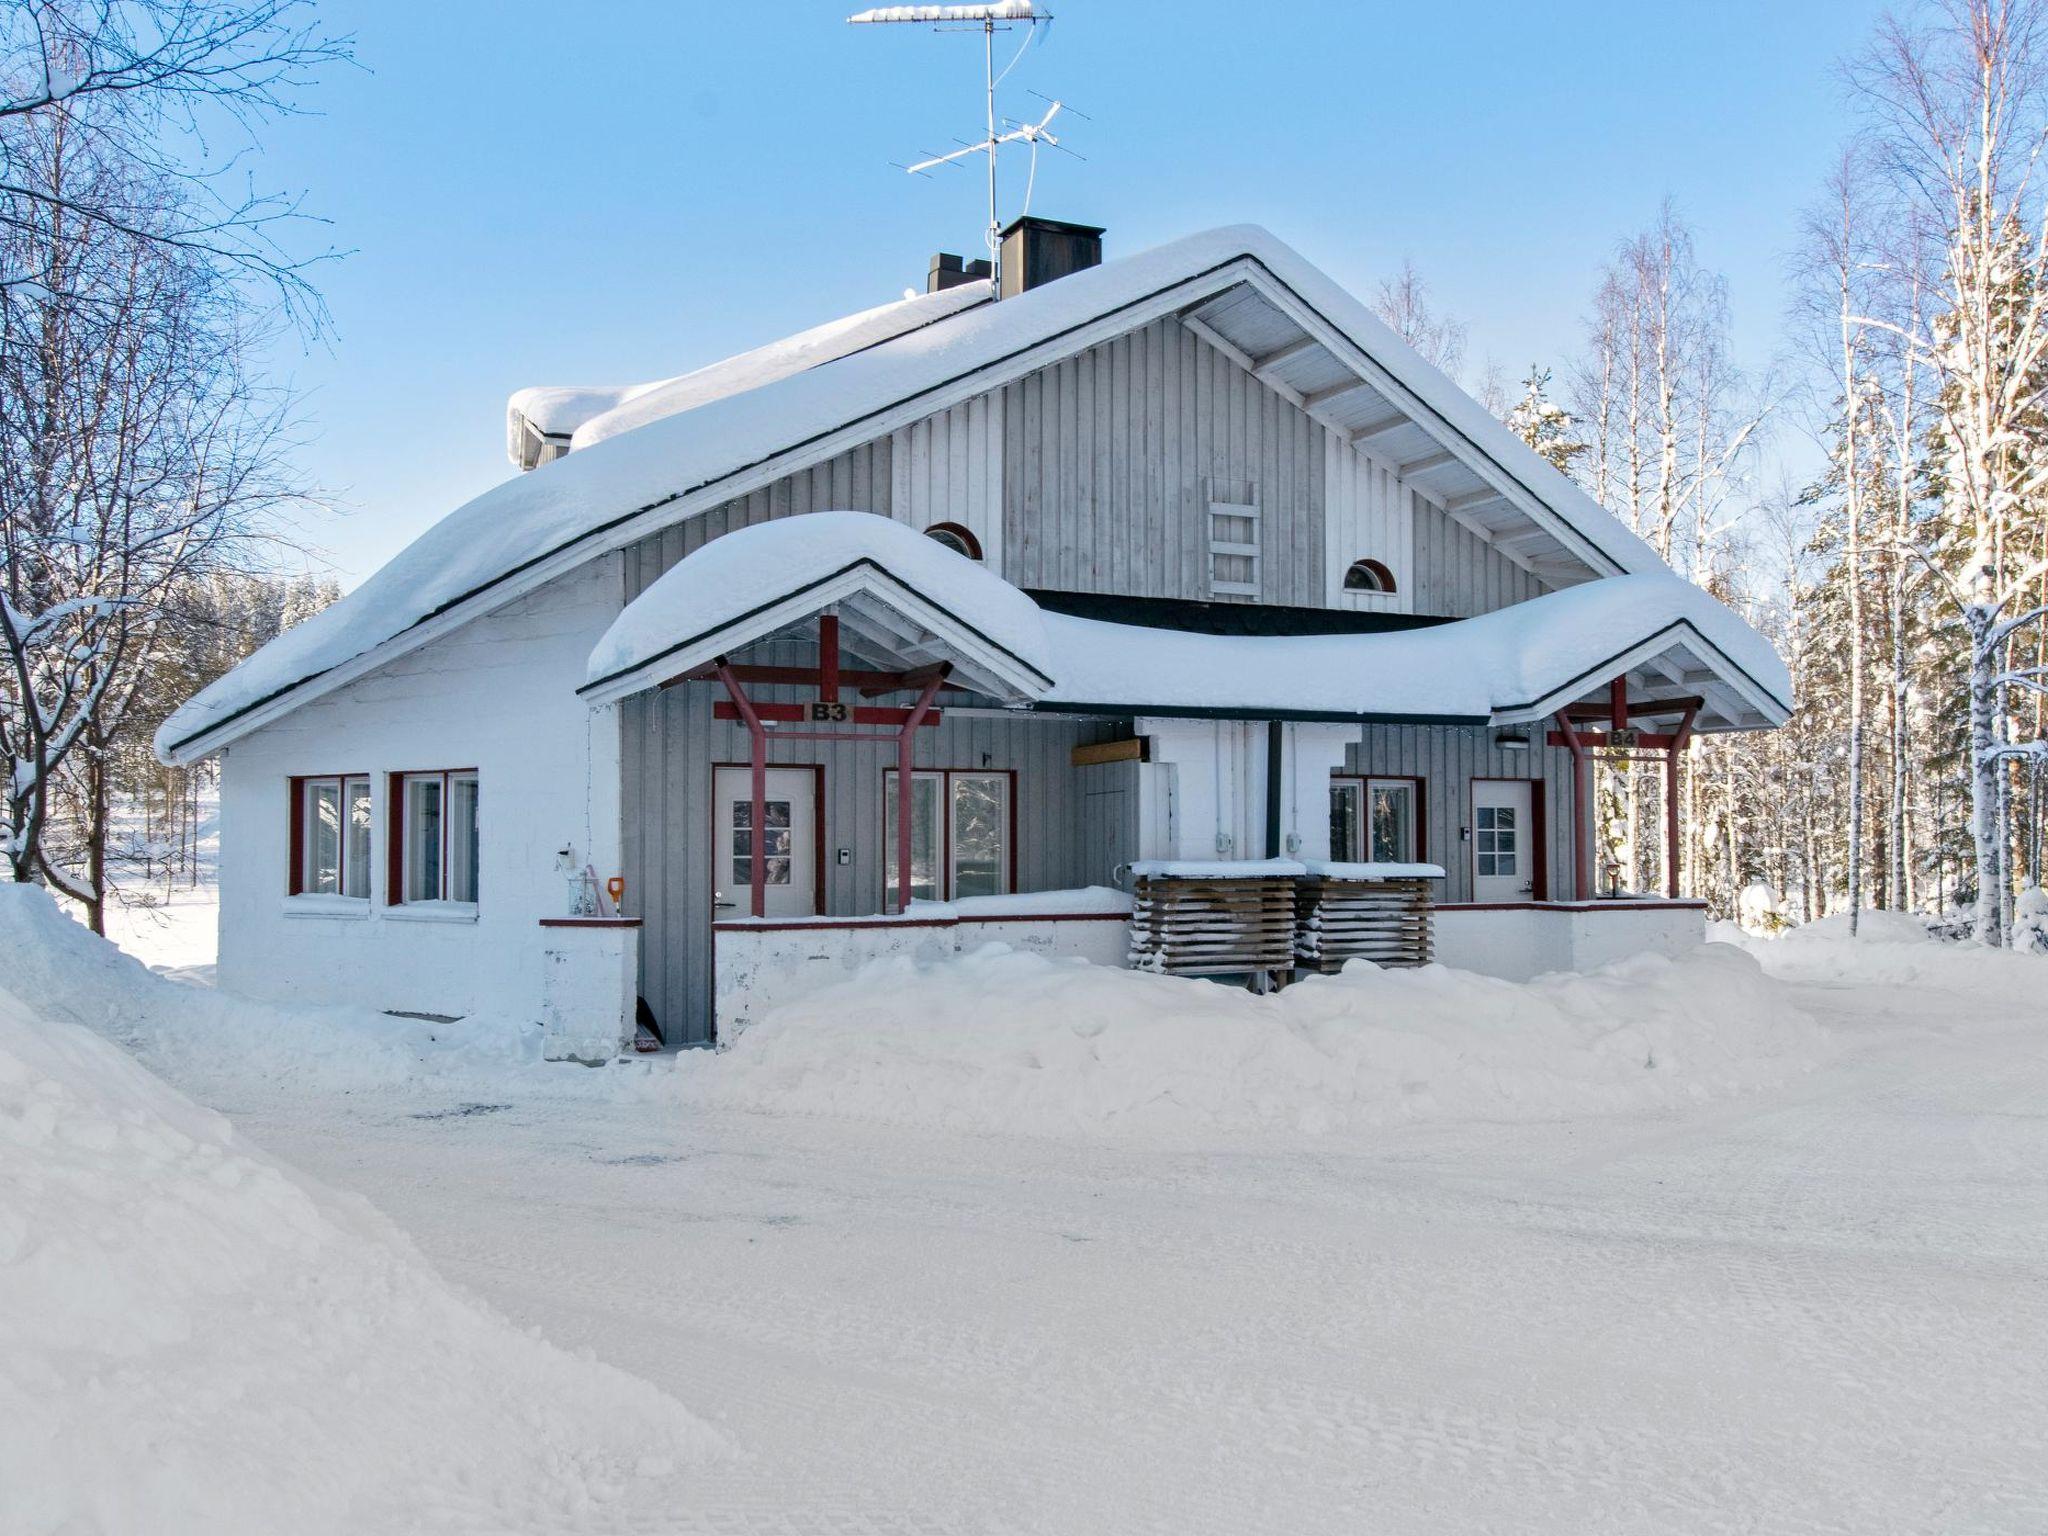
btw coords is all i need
(1000, 15)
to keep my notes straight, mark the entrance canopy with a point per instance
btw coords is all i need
(904, 602)
(907, 603)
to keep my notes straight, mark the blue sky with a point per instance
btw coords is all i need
(620, 191)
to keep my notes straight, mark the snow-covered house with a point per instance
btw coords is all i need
(1178, 561)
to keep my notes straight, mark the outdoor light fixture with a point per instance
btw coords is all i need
(1512, 741)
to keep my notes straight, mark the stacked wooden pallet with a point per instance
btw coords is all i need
(1386, 921)
(1213, 925)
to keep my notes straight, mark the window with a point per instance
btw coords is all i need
(1368, 576)
(776, 850)
(1376, 821)
(1234, 548)
(956, 538)
(331, 835)
(959, 834)
(436, 855)
(1496, 845)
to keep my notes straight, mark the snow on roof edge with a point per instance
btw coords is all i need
(525, 522)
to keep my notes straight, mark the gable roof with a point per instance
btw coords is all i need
(526, 531)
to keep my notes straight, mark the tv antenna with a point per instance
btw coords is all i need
(988, 19)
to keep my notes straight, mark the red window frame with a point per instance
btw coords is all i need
(1365, 781)
(394, 843)
(295, 871)
(946, 826)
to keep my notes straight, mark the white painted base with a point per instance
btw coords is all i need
(757, 966)
(1519, 942)
(587, 990)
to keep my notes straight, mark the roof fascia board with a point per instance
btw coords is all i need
(1469, 453)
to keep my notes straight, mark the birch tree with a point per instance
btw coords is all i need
(1956, 106)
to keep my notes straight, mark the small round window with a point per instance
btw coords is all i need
(1368, 576)
(956, 538)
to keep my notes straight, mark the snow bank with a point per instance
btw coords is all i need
(194, 1033)
(1006, 1041)
(1896, 949)
(195, 1339)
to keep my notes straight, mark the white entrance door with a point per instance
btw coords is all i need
(790, 835)
(1503, 840)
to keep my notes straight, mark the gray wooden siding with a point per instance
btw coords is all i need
(1458, 573)
(856, 481)
(1111, 458)
(1448, 761)
(671, 743)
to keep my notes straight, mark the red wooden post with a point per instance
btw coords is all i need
(903, 741)
(1617, 703)
(757, 739)
(1672, 753)
(828, 658)
(1582, 809)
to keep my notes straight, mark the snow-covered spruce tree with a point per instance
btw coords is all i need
(1543, 424)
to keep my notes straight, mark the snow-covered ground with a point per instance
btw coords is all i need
(1773, 1257)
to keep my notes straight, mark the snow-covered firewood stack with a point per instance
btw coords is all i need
(1195, 918)
(1376, 912)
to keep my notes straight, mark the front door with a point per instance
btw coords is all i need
(1504, 849)
(790, 839)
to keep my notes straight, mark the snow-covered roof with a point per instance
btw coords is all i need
(1512, 665)
(579, 415)
(885, 579)
(1516, 664)
(529, 530)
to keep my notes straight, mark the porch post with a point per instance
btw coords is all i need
(1672, 753)
(757, 741)
(1582, 810)
(904, 738)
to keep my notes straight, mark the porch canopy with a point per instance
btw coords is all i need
(1653, 657)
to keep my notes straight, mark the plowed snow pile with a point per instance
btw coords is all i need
(194, 1034)
(1006, 1041)
(195, 1339)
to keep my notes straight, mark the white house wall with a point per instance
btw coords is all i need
(499, 696)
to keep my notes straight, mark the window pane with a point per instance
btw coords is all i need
(924, 837)
(356, 866)
(1393, 823)
(423, 839)
(981, 834)
(462, 850)
(1344, 822)
(322, 871)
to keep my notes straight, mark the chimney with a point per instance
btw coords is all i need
(1035, 251)
(947, 272)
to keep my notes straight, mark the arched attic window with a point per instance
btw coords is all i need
(1368, 576)
(956, 538)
